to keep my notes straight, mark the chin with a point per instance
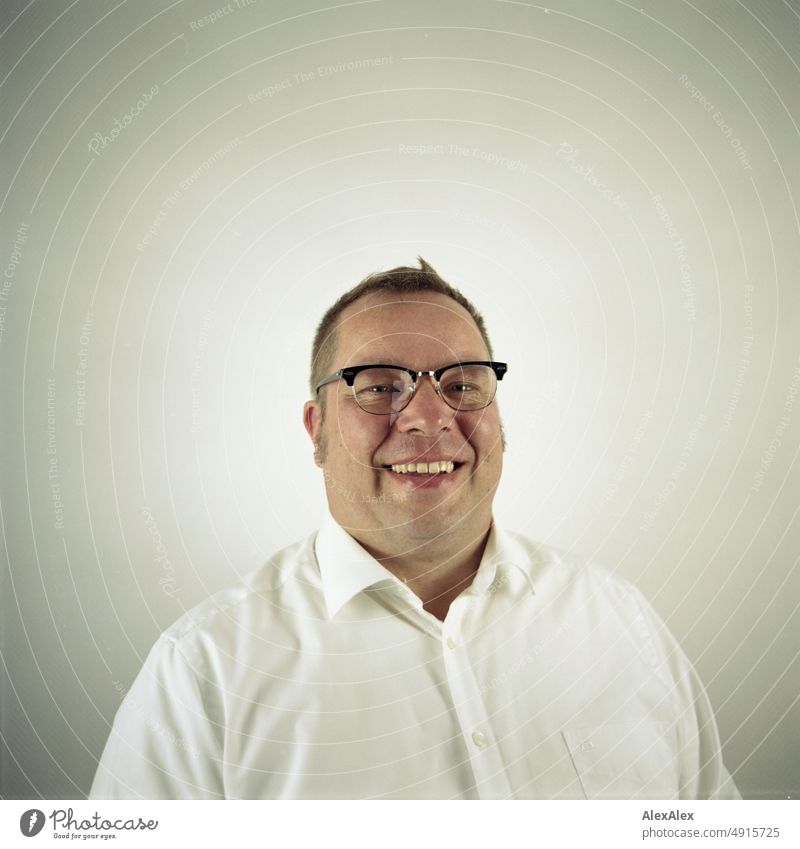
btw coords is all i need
(430, 524)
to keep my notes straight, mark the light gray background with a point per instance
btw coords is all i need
(614, 184)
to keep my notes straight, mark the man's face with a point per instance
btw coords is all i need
(380, 507)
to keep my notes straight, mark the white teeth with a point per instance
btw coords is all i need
(433, 468)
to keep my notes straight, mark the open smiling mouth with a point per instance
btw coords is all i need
(431, 468)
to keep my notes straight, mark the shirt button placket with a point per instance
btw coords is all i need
(487, 765)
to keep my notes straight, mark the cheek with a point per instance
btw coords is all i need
(488, 445)
(358, 434)
(483, 434)
(491, 458)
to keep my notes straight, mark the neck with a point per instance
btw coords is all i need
(437, 570)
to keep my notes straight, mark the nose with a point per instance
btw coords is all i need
(426, 412)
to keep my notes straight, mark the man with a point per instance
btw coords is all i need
(412, 648)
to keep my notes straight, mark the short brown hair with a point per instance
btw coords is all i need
(402, 280)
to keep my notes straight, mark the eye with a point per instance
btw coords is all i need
(460, 388)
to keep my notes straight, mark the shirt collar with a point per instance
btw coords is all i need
(346, 568)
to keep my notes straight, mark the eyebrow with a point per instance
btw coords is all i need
(390, 360)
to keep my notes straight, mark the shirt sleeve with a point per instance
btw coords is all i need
(165, 742)
(702, 772)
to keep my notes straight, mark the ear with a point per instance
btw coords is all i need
(312, 421)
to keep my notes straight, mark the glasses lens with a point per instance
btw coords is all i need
(382, 390)
(469, 387)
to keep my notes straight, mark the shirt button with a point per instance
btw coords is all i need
(479, 739)
(451, 643)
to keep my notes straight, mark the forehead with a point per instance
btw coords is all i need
(427, 324)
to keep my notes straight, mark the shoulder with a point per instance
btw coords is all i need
(578, 589)
(262, 596)
(556, 570)
(588, 595)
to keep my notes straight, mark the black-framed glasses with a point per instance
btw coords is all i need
(382, 389)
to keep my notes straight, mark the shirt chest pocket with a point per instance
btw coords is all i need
(624, 760)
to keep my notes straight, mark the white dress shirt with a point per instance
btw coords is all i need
(322, 676)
